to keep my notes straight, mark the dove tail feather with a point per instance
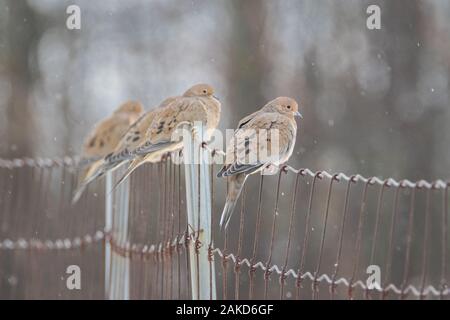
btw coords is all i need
(227, 213)
(80, 189)
(78, 192)
(96, 171)
(133, 166)
(235, 185)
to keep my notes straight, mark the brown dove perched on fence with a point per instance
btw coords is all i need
(105, 136)
(263, 141)
(198, 104)
(132, 136)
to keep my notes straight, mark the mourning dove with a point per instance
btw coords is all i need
(263, 141)
(198, 104)
(129, 140)
(105, 136)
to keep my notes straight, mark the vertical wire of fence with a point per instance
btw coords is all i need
(294, 235)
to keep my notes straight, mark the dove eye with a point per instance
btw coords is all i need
(204, 91)
(288, 107)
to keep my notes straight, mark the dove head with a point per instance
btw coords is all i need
(283, 105)
(130, 107)
(200, 90)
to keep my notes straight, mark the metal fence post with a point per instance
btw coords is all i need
(117, 267)
(198, 202)
(108, 227)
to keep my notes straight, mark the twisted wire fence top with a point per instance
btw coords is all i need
(39, 162)
(388, 182)
(339, 176)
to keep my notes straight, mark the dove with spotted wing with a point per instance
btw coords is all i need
(129, 140)
(262, 142)
(105, 136)
(197, 104)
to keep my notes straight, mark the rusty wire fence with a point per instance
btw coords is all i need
(294, 235)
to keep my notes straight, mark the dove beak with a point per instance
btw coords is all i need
(216, 97)
(298, 114)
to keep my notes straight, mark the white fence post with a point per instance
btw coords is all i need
(117, 267)
(198, 202)
(108, 227)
